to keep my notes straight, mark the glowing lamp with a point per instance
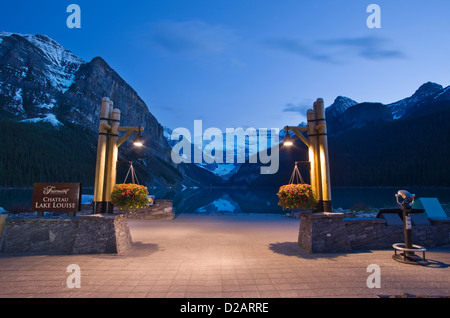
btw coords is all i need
(287, 140)
(138, 140)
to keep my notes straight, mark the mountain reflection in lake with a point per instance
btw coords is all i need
(223, 200)
(247, 200)
(204, 201)
(265, 200)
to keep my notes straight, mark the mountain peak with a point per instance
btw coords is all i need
(423, 93)
(430, 86)
(427, 89)
(99, 60)
(42, 82)
(342, 98)
(340, 105)
(54, 51)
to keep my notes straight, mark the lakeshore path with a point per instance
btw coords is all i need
(221, 256)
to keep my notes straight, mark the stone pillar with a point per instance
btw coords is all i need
(86, 234)
(102, 234)
(323, 233)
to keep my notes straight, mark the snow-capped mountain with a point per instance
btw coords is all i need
(61, 63)
(339, 106)
(40, 80)
(425, 92)
(34, 71)
(241, 152)
(361, 156)
(43, 83)
(345, 114)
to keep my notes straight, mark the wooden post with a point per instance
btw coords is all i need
(112, 159)
(314, 158)
(111, 166)
(2, 223)
(104, 127)
(321, 131)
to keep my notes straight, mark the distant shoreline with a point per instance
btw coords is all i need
(275, 186)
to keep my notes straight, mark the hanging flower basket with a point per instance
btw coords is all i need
(296, 196)
(130, 196)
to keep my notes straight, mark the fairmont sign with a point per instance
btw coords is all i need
(57, 197)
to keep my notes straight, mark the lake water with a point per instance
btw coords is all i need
(255, 200)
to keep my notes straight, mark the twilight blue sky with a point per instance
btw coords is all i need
(250, 63)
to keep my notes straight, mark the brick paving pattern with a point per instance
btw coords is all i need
(221, 256)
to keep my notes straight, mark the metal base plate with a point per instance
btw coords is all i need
(409, 259)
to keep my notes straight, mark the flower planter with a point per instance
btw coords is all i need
(296, 197)
(130, 196)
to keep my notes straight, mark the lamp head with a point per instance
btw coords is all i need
(138, 140)
(288, 140)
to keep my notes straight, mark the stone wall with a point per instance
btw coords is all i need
(160, 210)
(373, 233)
(331, 232)
(323, 233)
(85, 234)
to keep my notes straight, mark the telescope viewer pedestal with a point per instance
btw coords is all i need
(408, 249)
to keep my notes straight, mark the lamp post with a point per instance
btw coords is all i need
(317, 144)
(107, 154)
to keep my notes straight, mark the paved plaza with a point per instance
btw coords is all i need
(221, 256)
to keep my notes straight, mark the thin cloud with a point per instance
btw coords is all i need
(300, 107)
(191, 37)
(337, 51)
(297, 47)
(370, 47)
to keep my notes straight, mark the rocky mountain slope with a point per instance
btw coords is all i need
(49, 112)
(346, 114)
(43, 83)
(373, 144)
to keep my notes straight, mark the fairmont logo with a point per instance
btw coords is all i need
(52, 190)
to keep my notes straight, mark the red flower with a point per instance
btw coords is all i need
(129, 196)
(296, 196)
